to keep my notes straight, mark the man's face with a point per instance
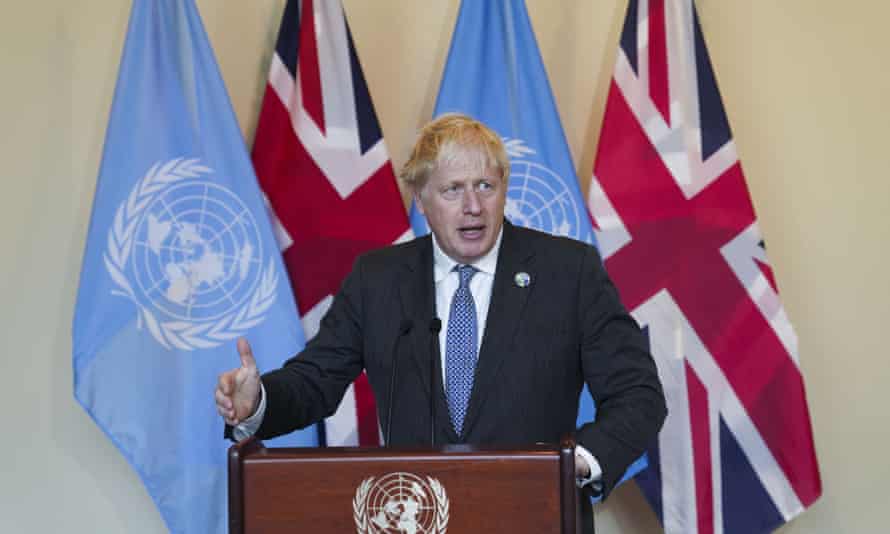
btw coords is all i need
(464, 205)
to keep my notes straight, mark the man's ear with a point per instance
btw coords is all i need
(417, 203)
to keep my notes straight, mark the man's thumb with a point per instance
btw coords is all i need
(245, 353)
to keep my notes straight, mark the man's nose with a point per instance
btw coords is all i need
(471, 202)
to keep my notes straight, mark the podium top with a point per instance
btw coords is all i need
(466, 488)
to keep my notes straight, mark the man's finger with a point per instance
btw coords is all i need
(225, 413)
(245, 353)
(224, 404)
(226, 382)
(222, 400)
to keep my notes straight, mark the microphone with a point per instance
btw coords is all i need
(405, 327)
(435, 328)
(435, 325)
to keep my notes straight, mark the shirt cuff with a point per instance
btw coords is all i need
(249, 426)
(596, 472)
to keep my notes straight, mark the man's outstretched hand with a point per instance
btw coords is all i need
(238, 391)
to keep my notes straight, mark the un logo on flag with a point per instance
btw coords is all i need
(188, 253)
(538, 197)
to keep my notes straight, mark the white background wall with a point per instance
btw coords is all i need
(805, 82)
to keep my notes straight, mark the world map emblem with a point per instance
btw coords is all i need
(539, 198)
(189, 255)
(399, 503)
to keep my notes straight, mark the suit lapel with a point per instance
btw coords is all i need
(418, 300)
(505, 310)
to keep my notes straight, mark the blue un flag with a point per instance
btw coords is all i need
(495, 74)
(180, 260)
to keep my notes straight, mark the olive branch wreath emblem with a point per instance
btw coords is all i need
(516, 148)
(360, 510)
(184, 335)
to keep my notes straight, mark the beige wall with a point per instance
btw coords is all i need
(805, 84)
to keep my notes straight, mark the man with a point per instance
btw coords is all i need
(526, 319)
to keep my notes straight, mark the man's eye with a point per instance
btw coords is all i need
(451, 192)
(485, 186)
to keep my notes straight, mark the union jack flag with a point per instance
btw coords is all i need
(680, 239)
(320, 159)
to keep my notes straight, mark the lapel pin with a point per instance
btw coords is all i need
(522, 279)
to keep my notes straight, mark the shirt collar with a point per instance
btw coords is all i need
(443, 265)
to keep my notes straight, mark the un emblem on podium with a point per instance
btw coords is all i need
(539, 198)
(187, 251)
(400, 503)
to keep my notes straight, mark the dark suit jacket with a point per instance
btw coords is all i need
(541, 343)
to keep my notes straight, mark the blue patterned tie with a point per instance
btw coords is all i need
(460, 348)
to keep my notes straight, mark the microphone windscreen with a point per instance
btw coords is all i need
(435, 325)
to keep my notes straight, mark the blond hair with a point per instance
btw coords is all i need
(454, 138)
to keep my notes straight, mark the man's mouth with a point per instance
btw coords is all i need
(471, 232)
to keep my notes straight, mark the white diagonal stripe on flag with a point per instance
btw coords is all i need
(337, 153)
(340, 428)
(740, 254)
(660, 313)
(691, 173)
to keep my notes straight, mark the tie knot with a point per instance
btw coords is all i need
(465, 272)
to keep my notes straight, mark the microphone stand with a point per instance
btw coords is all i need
(404, 328)
(435, 328)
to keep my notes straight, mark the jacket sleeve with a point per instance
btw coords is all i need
(309, 386)
(620, 373)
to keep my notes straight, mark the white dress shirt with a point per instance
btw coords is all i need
(446, 281)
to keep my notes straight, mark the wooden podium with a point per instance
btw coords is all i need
(380, 490)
